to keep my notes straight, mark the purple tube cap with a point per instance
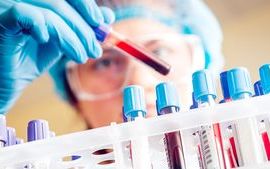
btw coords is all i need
(19, 141)
(3, 129)
(38, 130)
(52, 134)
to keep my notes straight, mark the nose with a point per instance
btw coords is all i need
(146, 77)
(143, 75)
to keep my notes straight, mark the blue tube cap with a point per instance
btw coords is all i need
(224, 85)
(101, 32)
(265, 78)
(167, 96)
(134, 101)
(3, 129)
(239, 82)
(124, 117)
(203, 84)
(194, 102)
(258, 88)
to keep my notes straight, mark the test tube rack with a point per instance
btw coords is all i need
(107, 147)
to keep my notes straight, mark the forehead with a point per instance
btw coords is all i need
(134, 28)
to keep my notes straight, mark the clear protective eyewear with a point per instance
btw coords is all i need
(105, 77)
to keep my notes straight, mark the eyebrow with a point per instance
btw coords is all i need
(109, 51)
(151, 42)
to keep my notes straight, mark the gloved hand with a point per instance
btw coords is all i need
(35, 34)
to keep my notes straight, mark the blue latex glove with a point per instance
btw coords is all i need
(35, 34)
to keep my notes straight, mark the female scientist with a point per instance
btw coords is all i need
(36, 36)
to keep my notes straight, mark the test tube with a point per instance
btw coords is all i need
(191, 144)
(248, 136)
(264, 123)
(231, 145)
(38, 130)
(19, 141)
(194, 103)
(258, 88)
(124, 117)
(11, 137)
(52, 134)
(265, 78)
(3, 132)
(168, 102)
(104, 32)
(135, 110)
(209, 135)
(225, 87)
(264, 89)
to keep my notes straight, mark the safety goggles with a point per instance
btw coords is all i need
(105, 77)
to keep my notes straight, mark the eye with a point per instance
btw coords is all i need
(103, 63)
(110, 63)
(161, 52)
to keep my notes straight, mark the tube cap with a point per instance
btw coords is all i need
(203, 84)
(265, 78)
(194, 102)
(38, 130)
(239, 82)
(224, 85)
(258, 88)
(3, 129)
(11, 137)
(52, 134)
(167, 96)
(134, 101)
(124, 117)
(19, 141)
(101, 32)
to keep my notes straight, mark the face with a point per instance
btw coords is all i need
(106, 76)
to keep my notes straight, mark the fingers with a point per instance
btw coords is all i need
(8, 97)
(88, 10)
(93, 14)
(81, 28)
(67, 40)
(75, 22)
(23, 18)
(43, 24)
(108, 15)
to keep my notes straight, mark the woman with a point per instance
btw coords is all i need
(94, 88)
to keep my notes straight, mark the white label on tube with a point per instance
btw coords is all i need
(267, 125)
(189, 148)
(140, 151)
(248, 135)
(207, 139)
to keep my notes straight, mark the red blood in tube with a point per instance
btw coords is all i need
(219, 142)
(232, 141)
(146, 57)
(229, 152)
(266, 144)
(200, 156)
(174, 150)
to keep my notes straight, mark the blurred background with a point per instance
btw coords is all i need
(246, 28)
